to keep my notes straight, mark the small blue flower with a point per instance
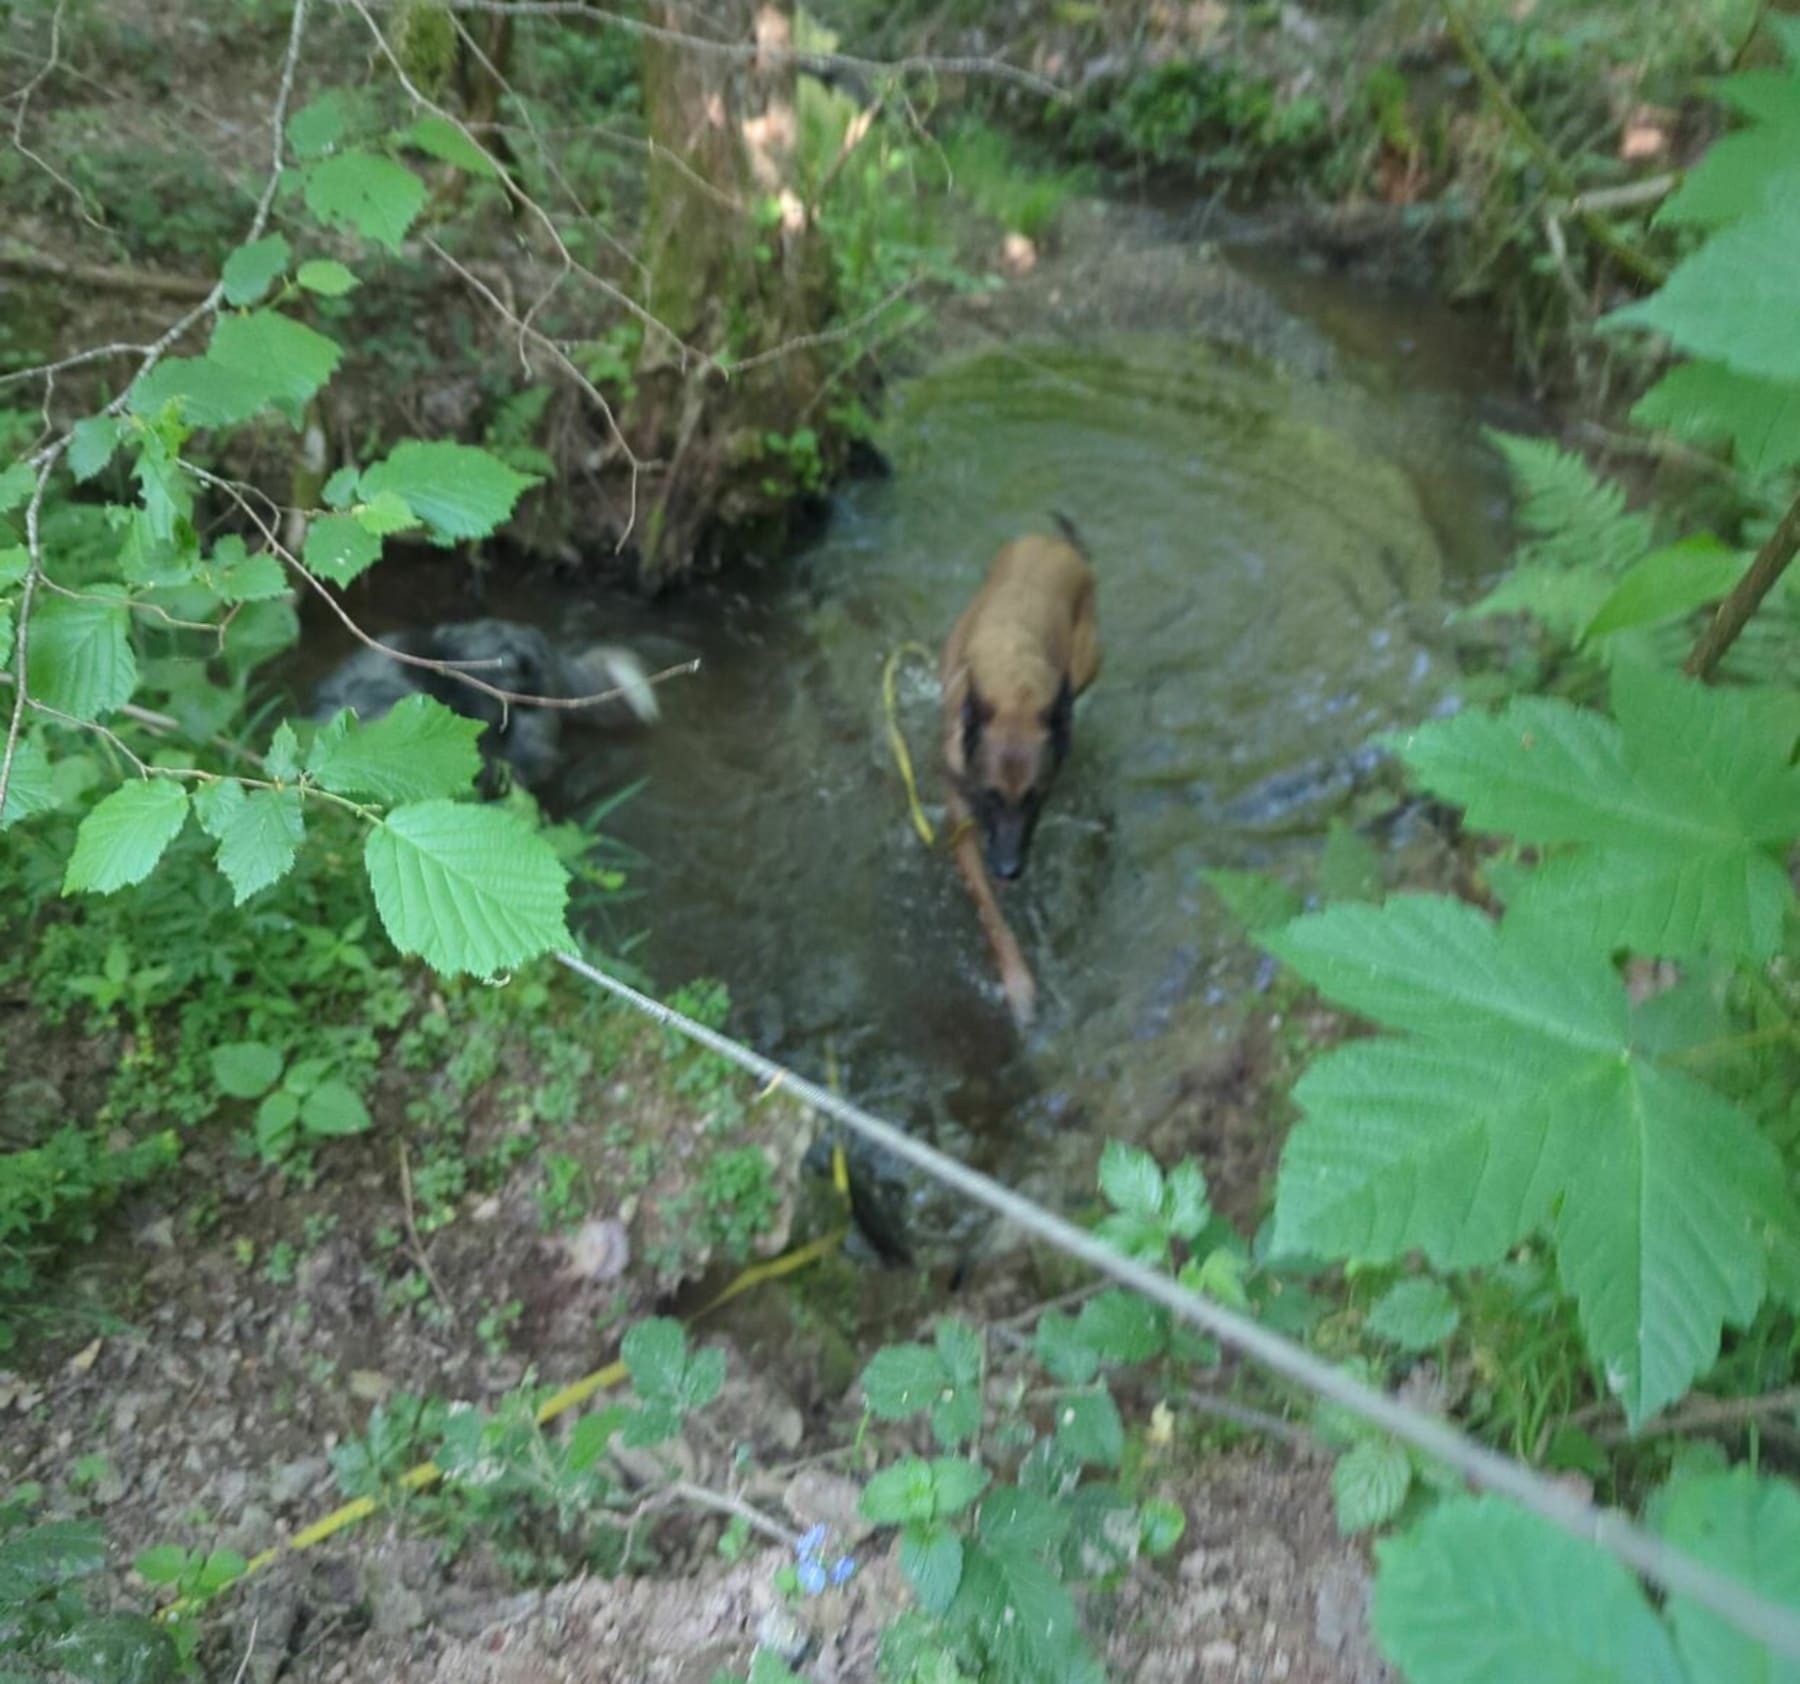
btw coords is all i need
(812, 1577)
(841, 1569)
(811, 1544)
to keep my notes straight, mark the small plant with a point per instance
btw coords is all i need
(301, 1102)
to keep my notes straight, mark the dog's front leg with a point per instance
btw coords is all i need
(1015, 974)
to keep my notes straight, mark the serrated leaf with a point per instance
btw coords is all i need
(121, 840)
(1735, 177)
(80, 661)
(366, 194)
(1162, 1524)
(29, 788)
(244, 1070)
(54, 1552)
(161, 1564)
(238, 576)
(15, 563)
(955, 1483)
(1575, 518)
(443, 139)
(1131, 1180)
(340, 548)
(931, 1557)
(319, 125)
(1015, 1521)
(115, 1649)
(1089, 1429)
(1748, 1529)
(469, 889)
(1063, 1352)
(457, 490)
(903, 1380)
(1255, 900)
(283, 759)
(902, 1494)
(17, 482)
(656, 1357)
(251, 270)
(1561, 599)
(210, 393)
(92, 443)
(1668, 584)
(1481, 1592)
(1032, 1625)
(340, 490)
(385, 514)
(1121, 1327)
(1704, 402)
(286, 358)
(257, 631)
(1415, 1315)
(334, 1108)
(259, 841)
(1519, 1086)
(1369, 1484)
(277, 1124)
(1185, 1207)
(1732, 300)
(416, 750)
(327, 277)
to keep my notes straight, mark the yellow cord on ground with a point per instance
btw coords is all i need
(898, 742)
(427, 1474)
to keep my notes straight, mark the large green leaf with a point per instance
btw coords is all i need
(258, 844)
(251, 270)
(1734, 179)
(1678, 814)
(467, 888)
(80, 661)
(121, 840)
(210, 394)
(417, 750)
(1483, 1593)
(457, 490)
(1519, 1090)
(340, 548)
(1705, 402)
(1749, 1529)
(366, 194)
(1669, 583)
(286, 358)
(28, 786)
(443, 139)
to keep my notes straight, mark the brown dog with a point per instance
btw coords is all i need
(1024, 649)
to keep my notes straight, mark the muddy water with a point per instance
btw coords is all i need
(1278, 539)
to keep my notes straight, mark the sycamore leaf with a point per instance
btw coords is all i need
(457, 490)
(1703, 402)
(443, 139)
(251, 270)
(81, 661)
(1748, 1529)
(340, 548)
(366, 194)
(92, 443)
(1480, 1592)
(327, 277)
(1678, 814)
(1668, 584)
(257, 844)
(121, 840)
(1517, 1088)
(416, 750)
(28, 787)
(467, 888)
(1735, 299)
(287, 358)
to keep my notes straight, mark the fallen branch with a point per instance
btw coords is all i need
(107, 277)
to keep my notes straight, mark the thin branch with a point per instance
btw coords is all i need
(412, 1235)
(49, 371)
(1700, 1412)
(1734, 612)
(24, 96)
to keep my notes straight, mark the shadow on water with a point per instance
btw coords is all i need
(1277, 550)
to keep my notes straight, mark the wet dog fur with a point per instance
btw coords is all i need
(509, 656)
(1024, 649)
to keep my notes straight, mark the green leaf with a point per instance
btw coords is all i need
(904, 1493)
(656, 1357)
(244, 1070)
(1369, 1484)
(29, 788)
(210, 393)
(161, 1564)
(1748, 1529)
(386, 514)
(1676, 816)
(903, 1380)
(251, 270)
(1162, 1525)
(955, 1483)
(277, 1124)
(1129, 1177)
(767, 1667)
(55, 1552)
(15, 563)
(1482, 1592)
(1089, 1429)
(340, 490)
(457, 490)
(258, 845)
(1561, 599)
(1703, 402)
(931, 1557)
(240, 577)
(1064, 1353)
(366, 194)
(220, 1568)
(317, 127)
(92, 443)
(115, 1649)
(283, 759)
(257, 631)
(335, 1108)
(327, 277)
(288, 360)
(1734, 300)
(1036, 1632)
(1255, 900)
(1518, 1087)
(443, 139)
(340, 548)
(1416, 1315)
(1185, 1207)
(1575, 518)
(121, 840)
(1020, 1522)
(416, 750)
(1735, 178)
(1121, 1327)
(80, 661)
(16, 486)
(1669, 583)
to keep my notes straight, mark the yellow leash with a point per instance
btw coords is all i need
(898, 742)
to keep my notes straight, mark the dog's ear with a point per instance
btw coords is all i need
(1059, 721)
(975, 714)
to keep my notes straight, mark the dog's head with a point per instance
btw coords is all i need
(1011, 754)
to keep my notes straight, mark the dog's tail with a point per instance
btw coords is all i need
(1070, 531)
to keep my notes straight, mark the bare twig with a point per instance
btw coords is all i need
(1734, 612)
(249, 1650)
(1626, 194)
(49, 371)
(415, 1245)
(24, 96)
